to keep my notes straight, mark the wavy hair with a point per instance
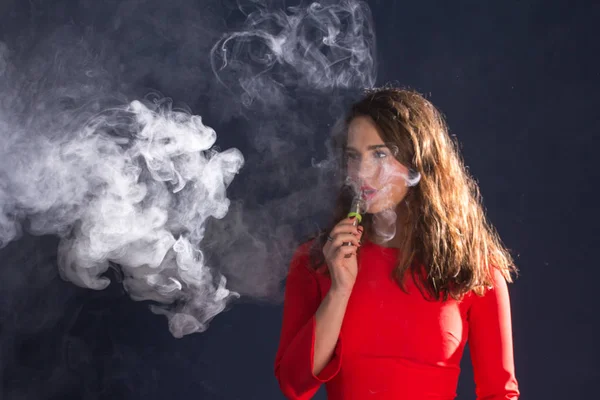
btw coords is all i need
(450, 247)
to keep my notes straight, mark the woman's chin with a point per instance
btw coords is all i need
(379, 206)
(375, 208)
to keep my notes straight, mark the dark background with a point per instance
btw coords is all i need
(518, 82)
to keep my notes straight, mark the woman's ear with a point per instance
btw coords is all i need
(413, 177)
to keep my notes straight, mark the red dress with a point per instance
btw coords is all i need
(394, 345)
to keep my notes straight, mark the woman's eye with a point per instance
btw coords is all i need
(380, 154)
(351, 156)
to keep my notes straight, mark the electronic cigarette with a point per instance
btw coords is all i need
(356, 210)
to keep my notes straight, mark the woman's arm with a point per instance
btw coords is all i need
(310, 350)
(491, 343)
(329, 318)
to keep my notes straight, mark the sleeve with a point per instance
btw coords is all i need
(491, 344)
(294, 359)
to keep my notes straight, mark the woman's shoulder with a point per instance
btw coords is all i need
(497, 286)
(305, 256)
(304, 249)
(302, 252)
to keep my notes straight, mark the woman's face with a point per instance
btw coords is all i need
(373, 168)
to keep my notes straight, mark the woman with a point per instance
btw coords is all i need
(383, 309)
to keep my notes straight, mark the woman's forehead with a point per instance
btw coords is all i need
(363, 132)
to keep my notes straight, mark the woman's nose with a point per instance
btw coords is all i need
(366, 169)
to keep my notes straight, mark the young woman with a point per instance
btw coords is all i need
(382, 309)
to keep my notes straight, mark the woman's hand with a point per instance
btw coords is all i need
(340, 255)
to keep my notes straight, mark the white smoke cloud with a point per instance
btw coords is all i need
(114, 199)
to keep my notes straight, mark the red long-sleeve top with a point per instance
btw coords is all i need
(393, 344)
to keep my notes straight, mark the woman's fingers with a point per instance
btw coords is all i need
(345, 226)
(344, 251)
(343, 238)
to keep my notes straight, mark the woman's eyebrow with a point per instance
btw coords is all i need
(372, 147)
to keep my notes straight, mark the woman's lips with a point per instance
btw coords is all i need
(368, 192)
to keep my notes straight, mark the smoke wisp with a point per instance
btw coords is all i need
(323, 46)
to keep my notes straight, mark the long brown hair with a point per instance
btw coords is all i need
(447, 232)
